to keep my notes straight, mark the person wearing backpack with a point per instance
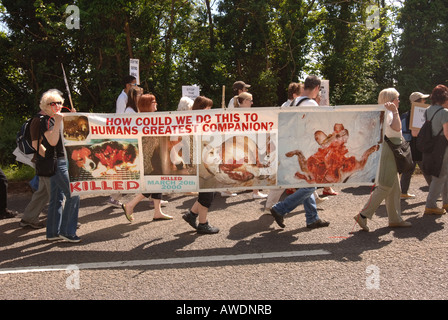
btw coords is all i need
(388, 184)
(41, 196)
(411, 136)
(62, 218)
(439, 183)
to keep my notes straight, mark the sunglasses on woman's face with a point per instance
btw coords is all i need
(55, 103)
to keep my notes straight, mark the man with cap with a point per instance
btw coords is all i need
(238, 87)
(410, 136)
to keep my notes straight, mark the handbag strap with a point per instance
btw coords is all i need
(426, 117)
(40, 140)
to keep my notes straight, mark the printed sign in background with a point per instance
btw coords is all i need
(211, 150)
(417, 118)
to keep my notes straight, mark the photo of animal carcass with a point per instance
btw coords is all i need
(329, 148)
(238, 161)
(76, 128)
(105, 160)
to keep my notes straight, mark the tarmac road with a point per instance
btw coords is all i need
(251, 258)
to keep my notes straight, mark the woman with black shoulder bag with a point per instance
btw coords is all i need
(62, 220)
(388, 184)
(435, 163)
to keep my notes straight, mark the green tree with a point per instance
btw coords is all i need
(353, 57)
(422, 58)
(265, 43)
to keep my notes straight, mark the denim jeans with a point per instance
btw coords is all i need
(302, 195)
(62, 220)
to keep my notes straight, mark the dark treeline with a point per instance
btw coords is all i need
(360, 46)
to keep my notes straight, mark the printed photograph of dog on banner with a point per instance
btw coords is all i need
(104, 160)
(238, 161)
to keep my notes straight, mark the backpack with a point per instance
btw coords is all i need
(300, 101)
(23, 138)
(425, 140)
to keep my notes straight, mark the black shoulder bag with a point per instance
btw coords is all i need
(45, 166)
(403, 155)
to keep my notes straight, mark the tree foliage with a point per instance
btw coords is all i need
(211, 43)
(422, 59)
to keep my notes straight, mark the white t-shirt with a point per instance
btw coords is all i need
(231, 104)
(287, 103)
(129, 110)
(306, 103)
(121, 102)
(388, 131)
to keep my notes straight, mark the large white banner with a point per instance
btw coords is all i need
(211, 150)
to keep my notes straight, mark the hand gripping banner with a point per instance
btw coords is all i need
(219, 149)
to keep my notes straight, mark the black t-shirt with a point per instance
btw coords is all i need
(38, 127)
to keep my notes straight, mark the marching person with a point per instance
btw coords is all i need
(120, 107)
(145, 103)
(388, 187)
(62, 218)
(199, 210)
(439, 183)
(410, 135)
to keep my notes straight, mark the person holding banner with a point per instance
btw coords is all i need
(199, 210)
(388, 187)
(134, 95)
(62, 220)
(120, 107)
(438, 158)
(305, 196)
(245, 100)
(146, 103)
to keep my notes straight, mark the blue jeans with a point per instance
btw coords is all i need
(62, 220)
(303, 195)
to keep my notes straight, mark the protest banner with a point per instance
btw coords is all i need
(212, 150)
(417, 118)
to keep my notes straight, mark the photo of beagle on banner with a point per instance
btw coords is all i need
(106, 160)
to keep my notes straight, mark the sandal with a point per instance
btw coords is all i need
(130, 217)
(163, 218)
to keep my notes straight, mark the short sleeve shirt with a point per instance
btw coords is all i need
(38, 127)
(305, 103)
(440, 118)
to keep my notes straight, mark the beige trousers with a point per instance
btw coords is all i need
(388, 188)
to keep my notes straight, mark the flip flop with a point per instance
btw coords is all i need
(163, 218)
(130, 217)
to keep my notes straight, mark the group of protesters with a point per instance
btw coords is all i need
(62, 218)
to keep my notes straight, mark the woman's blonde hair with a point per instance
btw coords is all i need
(388, 95)
(52, 95)
(238, 100)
